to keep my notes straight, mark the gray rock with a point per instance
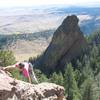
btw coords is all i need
(67, 43)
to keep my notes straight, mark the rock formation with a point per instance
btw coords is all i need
(67, 43)
(11, 89)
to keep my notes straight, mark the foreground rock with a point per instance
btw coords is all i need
(67, 43)
(11, 89)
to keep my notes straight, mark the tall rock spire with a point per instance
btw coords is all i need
(67, 43)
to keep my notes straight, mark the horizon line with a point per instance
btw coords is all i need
(48, 5)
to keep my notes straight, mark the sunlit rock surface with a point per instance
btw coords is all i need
(11, 89)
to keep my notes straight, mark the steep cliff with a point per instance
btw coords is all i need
(67, 43)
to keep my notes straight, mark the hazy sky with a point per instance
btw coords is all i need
(16, 3)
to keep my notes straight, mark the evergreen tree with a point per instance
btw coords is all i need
(60, 79)
(96, 86)
(78, 75)
(6, 58)
(94, 52)
(87, 90)
(70, 84)
(95, 59)
(87, 71)
(40, 76)
(54, 78)
(79, 65)
(57, 78)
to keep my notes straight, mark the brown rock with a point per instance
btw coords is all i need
(11, 89)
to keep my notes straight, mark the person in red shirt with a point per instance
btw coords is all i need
(24, 69)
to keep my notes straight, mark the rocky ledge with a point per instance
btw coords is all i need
(12, 89)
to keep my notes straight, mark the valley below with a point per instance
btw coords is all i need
(36, 26)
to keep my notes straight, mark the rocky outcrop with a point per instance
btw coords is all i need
(67, 43)
(11, 89)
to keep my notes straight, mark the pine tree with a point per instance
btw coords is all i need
(54, 78)
(57, 78)
(95, 59)
(79, 65)
(6, 58)
(87, 71)
(78, 73)
(40, 76)
(94, 52)
(87, 90)
(96, 86)
(60, 79)
(70, 84)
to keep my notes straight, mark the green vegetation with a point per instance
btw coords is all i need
(87, 90)
(70, 84)
(6, 58)
(57, 78)
(15, 73)
(81, 77)
(8, 39)
(40, 76)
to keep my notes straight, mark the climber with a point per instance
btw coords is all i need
(25, 69)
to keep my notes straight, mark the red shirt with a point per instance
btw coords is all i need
(25, 69)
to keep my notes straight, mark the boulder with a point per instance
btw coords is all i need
(67, 43)
(12, 89)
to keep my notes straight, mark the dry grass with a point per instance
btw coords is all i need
(24, 49)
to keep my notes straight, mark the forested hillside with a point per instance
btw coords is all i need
(81, 76)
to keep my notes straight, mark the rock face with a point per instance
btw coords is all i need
(11, 89)
(67, 43)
